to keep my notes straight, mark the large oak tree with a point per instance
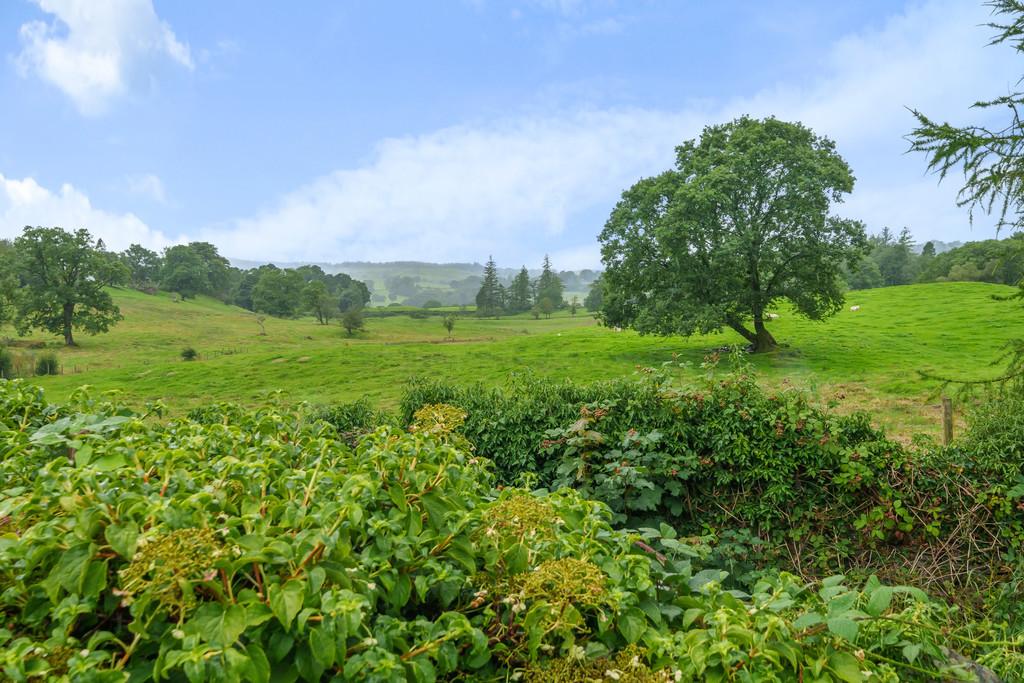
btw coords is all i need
(63, 276)
(742, 222)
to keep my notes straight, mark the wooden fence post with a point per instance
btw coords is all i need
(947, 420)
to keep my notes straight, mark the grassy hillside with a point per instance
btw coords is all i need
(866, 358)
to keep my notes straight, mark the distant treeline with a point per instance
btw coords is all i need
(422, 290)
(894, 260)
(427, 285)
(540, 296)
(196, 268)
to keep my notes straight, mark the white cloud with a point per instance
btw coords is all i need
(147, 185)
(512, 187)
(577, 258)
(92, 48)
(26, 202)
(463, 192)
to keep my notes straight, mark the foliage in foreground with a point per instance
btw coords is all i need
(780, 482)
(261, 547)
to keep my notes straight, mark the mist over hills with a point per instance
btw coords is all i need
(416, 282)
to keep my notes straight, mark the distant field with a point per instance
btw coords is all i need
(868, 357)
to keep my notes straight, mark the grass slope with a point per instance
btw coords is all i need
(870, 357)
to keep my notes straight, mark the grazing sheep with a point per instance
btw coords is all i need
(772, 316)
(854, 308)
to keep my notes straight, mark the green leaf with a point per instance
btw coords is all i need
(840, 604)
(437, 507)
(397, 495)
(286, 601)
(317, 576)
(422, 670)
(911, 651)
(218, 625)
(807, 620)
(844, 628)
(259, 668)
(631, 624)
(322, 645)
(95, 579)
(108, 462)
(846, 667)
(122, 538)
(309, 667)
(70, 570)
(706, 576)
(237, 663)
(461, 550)
(691, 615)
(399, 595)
(879, 601)
(83, 455)
(832, 580)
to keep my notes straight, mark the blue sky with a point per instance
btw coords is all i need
(452, 129)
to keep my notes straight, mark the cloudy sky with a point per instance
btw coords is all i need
(450, 130)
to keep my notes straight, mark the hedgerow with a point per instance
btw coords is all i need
(260, 546)
(508, 423)
(776, 480)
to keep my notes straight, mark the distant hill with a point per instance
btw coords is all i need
(415, 282)
(940, 246)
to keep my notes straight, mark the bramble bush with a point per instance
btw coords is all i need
(508, 424)
(809, 490)
(257, 545)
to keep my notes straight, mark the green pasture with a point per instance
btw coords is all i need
(864, 359)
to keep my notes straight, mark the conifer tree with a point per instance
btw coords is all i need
(489, 298)
(519, 293)
(549, 285)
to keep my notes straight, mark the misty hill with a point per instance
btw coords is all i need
(416, 282)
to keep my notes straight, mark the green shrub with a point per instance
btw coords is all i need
(218, 413)
(267, 548)
(354, 420)
(807, 489)
(352, 321)
(508, 424)
(995, 439)
(6, 364)
(47, 364)
(189, 354)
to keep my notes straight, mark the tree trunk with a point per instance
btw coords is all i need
(69, 312)
(763, 339)
(741, 329)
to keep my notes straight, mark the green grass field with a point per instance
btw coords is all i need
(868, 358)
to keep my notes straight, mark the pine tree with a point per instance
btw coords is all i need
(501, 300)
(489, 298)
(519, 293)
(549, 285)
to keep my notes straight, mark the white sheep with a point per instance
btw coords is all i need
(854, 308)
